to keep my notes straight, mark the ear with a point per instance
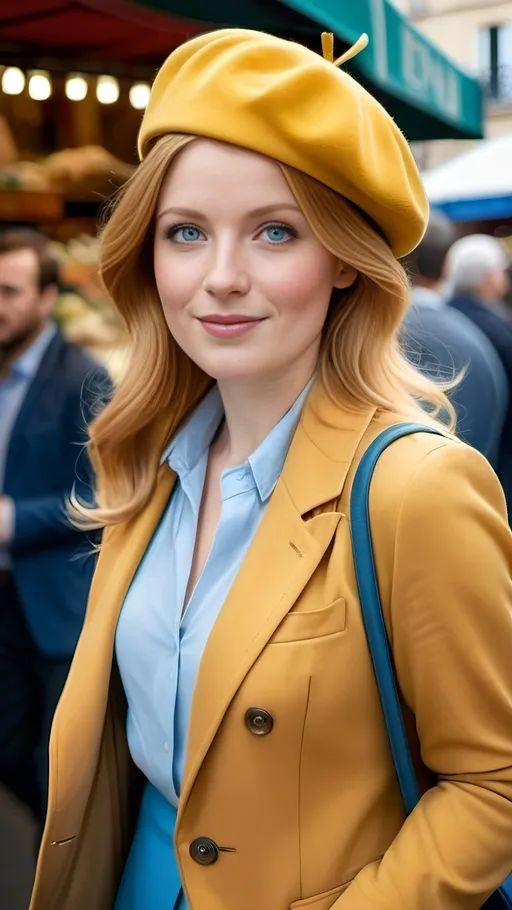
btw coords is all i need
(48, 299)
(345, 276)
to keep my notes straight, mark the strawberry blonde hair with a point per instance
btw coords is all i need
(361, 363)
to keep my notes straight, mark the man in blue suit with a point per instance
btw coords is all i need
(477, 271)
(49, 390)
(444, 343)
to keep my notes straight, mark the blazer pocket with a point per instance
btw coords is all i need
(323, 901)
(301, 626)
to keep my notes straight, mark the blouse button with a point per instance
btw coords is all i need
(258, 721)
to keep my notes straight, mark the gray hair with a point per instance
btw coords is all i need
(471, 259)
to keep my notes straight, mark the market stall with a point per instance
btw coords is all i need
(425, 92)
(475, 186)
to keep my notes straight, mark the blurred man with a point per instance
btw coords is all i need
(48, 390)
(477, 273)
(442, 342)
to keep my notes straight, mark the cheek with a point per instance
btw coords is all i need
(175, 280)
(304, 286)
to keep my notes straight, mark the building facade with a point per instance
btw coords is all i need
(477, 35)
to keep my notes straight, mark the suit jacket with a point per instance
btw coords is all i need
(442, 343)
(499, 332)
(53, 563)
(312, 811)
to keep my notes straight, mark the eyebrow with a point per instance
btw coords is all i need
(264, 210)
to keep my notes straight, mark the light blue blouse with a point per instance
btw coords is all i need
(158, 646)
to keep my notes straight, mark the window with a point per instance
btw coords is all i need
(495, 60)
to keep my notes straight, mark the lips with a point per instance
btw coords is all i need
(229, 326)
(231, 319)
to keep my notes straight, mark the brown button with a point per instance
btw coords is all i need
(204, 851)
(258, 721)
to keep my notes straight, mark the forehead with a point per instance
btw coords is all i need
(19, 267)
(208, 172)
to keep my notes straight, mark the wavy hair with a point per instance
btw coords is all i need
(361, 362)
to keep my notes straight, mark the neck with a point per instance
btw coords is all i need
(252, 409)
(431, 284)
(9, 353)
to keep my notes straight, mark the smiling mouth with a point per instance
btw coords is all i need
(229, 319)
(229, 326)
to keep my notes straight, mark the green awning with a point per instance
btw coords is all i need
(429, 97)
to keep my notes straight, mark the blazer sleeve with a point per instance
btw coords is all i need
(42, 521)
(450, 611)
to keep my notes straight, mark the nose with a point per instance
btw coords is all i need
(227, 273)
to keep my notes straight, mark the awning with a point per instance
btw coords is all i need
(475, 186)
(429, 97)
(89, 35)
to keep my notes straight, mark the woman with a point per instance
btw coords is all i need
(263, 300)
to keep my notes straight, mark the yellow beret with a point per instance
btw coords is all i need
(278, 98)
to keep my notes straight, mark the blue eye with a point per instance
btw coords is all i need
(185, 233)
(278, 233)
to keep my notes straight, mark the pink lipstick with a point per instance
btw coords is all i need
(230, 326)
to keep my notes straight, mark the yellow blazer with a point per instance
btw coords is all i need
(311, 810)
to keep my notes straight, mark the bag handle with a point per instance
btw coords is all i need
(371, 607)
(373, 618)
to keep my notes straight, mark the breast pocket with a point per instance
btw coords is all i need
(302, 625)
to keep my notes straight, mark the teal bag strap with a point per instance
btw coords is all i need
(376, 634)
(371, 608)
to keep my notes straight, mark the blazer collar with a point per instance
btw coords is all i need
(322, 450)
(290, 543)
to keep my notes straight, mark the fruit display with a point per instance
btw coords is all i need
(78, 173)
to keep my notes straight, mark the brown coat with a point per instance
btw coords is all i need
(313, 809)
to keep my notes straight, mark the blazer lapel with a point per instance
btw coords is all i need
(84, 701)
(45, 373)
(284, 554)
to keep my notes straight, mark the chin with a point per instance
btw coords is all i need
(236, 369)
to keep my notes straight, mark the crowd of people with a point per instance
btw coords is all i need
(459, 331)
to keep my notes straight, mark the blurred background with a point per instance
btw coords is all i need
(75, 77)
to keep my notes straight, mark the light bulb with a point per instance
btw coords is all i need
(40, 86)
(107, 90)
(76, 88)
(13, 80)
(139, 95)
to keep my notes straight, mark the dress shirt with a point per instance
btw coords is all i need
(13, 389)
(159, 644)
(428, 297)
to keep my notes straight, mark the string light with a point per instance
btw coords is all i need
(40, 85)
(107, 90)
(13, 81)
(139, 95)
(76, 87)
